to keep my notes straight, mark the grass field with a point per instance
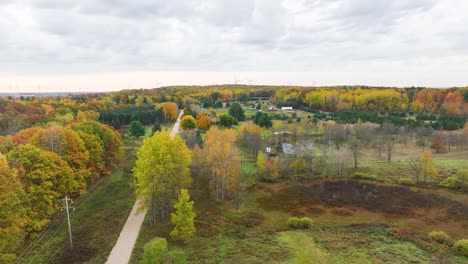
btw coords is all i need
(358, 233)
(96, 222)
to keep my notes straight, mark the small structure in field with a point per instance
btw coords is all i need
(287, 109)
(271, 108)
(288, 149)
(282, 133)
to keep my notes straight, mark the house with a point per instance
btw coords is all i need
(282, 133)
(287, 109)
(288, 149)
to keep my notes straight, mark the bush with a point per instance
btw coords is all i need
(452, 182)
(405, 181)
(440, 237)
(364, 176)
(461, 247)
(155, 251)
(177, 257)
(300, 223)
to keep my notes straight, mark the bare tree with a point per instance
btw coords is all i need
(355, 147)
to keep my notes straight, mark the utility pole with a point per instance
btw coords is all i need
(67, 208)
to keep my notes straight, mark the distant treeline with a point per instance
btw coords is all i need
(147, 115)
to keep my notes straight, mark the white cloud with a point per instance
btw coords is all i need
(68, 37)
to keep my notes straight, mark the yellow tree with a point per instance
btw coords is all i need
(426, 166)
(184, 217)
(161, 170)
(221, 159)
(13, 212)
(261, 166)
(170, 111)
(188, 122)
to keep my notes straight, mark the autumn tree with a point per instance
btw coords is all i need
(424, 167)
(261, 165)
(188, 122)
(453, 103)
(104, 144)
(13, 202)
(170, 111)
(222, 162)
(184, 217)
(203, 122)
(249, 138)
(161, 170)
(437, 144)
(297, 168)
(45, 178)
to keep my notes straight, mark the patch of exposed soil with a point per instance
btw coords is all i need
(388, 199)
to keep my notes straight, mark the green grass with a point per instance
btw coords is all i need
(96, 222)
(353, 245)
(303, 248)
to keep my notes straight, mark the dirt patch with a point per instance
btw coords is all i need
(399, 200)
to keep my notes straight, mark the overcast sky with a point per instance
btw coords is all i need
(118, 44)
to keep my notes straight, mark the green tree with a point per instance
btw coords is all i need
(261, 168)
(12, 212)
(237, 111)
(156, 127)
(161, 170)
(226, 120)
(262, 119)
(137, 129)
(184, 217)
(188, 122)
(155, 251)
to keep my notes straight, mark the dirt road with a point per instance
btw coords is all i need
(122, 250)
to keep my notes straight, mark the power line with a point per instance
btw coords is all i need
(67, 208)
(80, 200)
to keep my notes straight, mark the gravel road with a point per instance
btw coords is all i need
(122, 250)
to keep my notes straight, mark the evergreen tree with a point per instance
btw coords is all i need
(137, 129)
(184, 217)
(237, 111)
(156, 127)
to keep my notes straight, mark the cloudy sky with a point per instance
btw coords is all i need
(116, 44)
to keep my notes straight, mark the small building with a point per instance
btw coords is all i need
(282, 133)
(271, 108)
(287, 109)
(288, 149)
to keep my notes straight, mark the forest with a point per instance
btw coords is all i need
(355, 172)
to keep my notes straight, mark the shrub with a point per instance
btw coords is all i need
(420, 240)
(155, 251)
(461, 247)
(300, 223)
(440, 237)
(405, 181)
(452, 182)
(177, 257)
(364, 176)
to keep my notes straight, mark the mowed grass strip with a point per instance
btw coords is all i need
(96, 222)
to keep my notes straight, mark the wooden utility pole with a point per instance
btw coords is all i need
(67, 208)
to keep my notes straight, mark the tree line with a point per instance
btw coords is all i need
(42, 164)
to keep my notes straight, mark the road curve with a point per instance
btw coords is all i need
(122, 250)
